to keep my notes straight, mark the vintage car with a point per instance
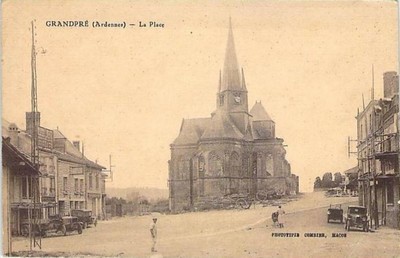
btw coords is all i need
(71, 223)
(85, 216)
(357, 218)
(335, 212)
(54, 224)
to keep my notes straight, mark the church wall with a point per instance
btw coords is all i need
(222, 168)
(180, 167)
(277, 184)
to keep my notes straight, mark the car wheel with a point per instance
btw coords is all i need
(79, 229)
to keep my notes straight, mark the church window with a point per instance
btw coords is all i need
(201, 167)
(235, 165)
(215, 166)
(269, 164)
(183, 169)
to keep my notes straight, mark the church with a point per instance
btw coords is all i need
(235, 151)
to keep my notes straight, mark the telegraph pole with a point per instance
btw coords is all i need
(34, 213)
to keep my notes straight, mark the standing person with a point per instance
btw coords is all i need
(153, 231)
(281, 217)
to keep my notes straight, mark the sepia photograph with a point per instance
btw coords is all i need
(223, 128)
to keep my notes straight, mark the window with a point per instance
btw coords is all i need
(76, 185)
(183, 169)
(81, 186)
(235, 165)
(26, 187)
(52, 185)
(90, 181)
(215, 166)
(201, 166)
(97, 181)
(65, 183)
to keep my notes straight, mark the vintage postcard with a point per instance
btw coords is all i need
(200, 128)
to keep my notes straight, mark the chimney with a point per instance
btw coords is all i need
(13, 131)
(77, 145)
(390, 84)
(29, 121)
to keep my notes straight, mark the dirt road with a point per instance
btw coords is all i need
(230, 233)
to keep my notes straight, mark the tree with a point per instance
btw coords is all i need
(337, 178)
(327, 180)
(317, 182)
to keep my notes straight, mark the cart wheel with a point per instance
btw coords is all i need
(241, 203)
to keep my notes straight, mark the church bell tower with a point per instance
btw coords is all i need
(232, 93)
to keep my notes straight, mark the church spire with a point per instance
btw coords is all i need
(243, 81)
(231, 74)
(220, 82)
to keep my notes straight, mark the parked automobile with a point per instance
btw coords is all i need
(71, 223)
(335, 213)
(85, 216)
(357, 218)
(54, 224)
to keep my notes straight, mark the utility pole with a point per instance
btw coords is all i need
(110, 170)
(373, 134)
(34, 214)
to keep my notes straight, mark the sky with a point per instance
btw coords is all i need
(125, 92)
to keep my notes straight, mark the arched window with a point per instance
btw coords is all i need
(269, 164)
(214, 165)
(244, 172)
(183, 168)
(202, 166)
(235, 165)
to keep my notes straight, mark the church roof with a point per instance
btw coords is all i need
(191, 130)
(258, 112)
(231, 74)
(260, 130)
(220, 127)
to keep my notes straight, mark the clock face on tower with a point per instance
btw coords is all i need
(237, 99)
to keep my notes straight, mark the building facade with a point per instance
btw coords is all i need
(68, 179)
(235, 151)
(20, 191)
(378, 155)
